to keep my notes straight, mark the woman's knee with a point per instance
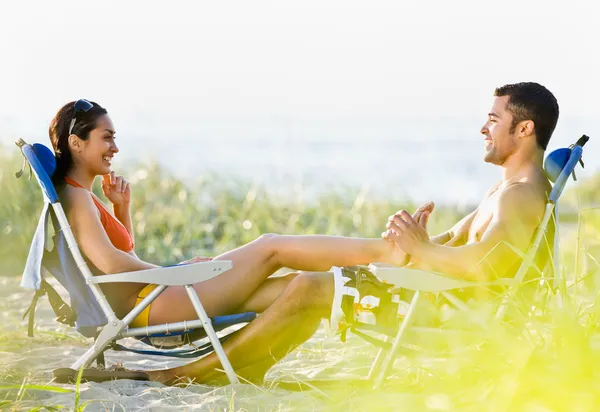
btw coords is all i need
(269, 244)
(267, 237)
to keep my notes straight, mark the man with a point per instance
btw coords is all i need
(481, 246)
(516, 132)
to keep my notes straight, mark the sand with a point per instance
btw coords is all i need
(56, 345)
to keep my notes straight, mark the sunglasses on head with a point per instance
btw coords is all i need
(81, 105)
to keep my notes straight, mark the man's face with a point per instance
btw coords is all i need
(500, 143)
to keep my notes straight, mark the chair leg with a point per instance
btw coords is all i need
(105, 338)
(212, 336)
(101, 361)
(391, 355)
(459, 304)
(378, 360)
(502, 309)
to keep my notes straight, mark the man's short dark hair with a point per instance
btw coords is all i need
(531, 101)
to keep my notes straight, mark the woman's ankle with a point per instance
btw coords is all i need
(393, 254)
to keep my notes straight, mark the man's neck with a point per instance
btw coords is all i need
(521, 164)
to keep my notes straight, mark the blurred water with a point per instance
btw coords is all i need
(396, 158)
(443, 171)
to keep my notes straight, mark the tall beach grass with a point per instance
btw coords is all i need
(175, 219)
(551, 362)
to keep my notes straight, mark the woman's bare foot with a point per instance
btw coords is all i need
(396, 255)
(168, 377)
(163, 376)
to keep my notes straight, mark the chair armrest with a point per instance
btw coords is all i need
(178, 275)
(424, 281)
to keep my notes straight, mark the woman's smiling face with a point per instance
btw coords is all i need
(97, 151)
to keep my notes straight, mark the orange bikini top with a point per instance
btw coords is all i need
(117, 233)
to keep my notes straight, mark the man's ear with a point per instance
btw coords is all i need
(75, 143)
(525, 128)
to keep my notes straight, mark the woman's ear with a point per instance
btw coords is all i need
(74, 143)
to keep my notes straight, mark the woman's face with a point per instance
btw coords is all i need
(100, 147)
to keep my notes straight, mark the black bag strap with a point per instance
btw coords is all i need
(64, 313)
(31, 309)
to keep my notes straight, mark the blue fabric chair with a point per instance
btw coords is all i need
(559, 165)
(93, 316)
(90, 311)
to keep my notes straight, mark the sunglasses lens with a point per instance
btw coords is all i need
(82, 105)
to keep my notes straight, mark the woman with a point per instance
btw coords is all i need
(83, 137)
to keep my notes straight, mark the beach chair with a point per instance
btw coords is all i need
(559, 165)
(90, 312)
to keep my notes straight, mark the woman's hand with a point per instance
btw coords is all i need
(196, 259)
(117, 189)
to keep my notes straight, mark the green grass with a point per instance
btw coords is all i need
(174, 220)
(547, 360)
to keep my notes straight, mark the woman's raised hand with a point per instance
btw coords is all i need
(117, 189)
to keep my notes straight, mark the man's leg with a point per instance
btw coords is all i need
(293, 318)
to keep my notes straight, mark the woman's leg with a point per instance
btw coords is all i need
(290, 320)
(320, 253)
(221, 295)
(266, 293)
(256, 261)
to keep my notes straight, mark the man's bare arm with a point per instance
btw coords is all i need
(459, 233)
(443, 238)
(492, 256)
(463, 225)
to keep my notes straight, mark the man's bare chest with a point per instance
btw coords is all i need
(485, 214)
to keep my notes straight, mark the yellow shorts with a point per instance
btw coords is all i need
(142, 319)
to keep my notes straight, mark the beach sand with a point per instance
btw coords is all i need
(31, 360)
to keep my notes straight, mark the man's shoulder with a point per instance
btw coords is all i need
(525, 198)
(534, 189)
(514, 189)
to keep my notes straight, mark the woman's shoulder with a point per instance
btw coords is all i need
(75, 199)
(72, 193)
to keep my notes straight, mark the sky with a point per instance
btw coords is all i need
(187, 72)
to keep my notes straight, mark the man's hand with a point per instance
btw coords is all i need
(401, 257)
(407, 232)
(421, 216)
(117, 189)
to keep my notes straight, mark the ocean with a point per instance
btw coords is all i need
(447, 172)
(408, 159)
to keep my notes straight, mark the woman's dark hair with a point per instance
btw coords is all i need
(59, 134)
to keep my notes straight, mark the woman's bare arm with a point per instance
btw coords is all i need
(92, 238)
